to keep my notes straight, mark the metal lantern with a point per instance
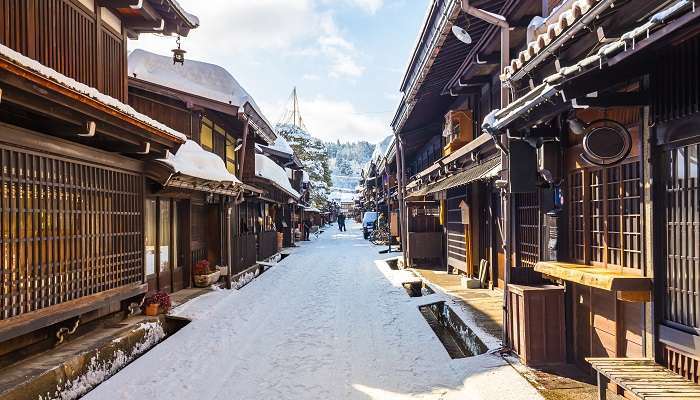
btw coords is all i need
(179, 54)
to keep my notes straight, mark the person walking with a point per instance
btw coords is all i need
(307, 229)
(341, 223)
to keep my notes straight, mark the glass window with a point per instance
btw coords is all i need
(164, 235)
(206, 136)
(150, 236)
(175, 231)
(231, 156)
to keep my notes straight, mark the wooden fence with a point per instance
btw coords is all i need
(268, 245)
(244, 252)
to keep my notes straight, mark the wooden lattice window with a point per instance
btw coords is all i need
(683, 237)
(605, 216)
(69, 230)
(527, 207)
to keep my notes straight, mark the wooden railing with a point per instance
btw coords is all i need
(267, 245)
(244, 252)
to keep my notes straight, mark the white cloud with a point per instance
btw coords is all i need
(369, 6)
(330, 120)
(311, 77)
(232, 29)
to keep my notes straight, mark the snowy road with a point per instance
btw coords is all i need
(325, 323)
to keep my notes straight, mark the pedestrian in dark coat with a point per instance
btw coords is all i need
(341, 222)
(307, 228)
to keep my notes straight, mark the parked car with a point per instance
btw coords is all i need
(369, 223)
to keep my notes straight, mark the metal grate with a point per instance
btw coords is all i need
(69, 230)
(683, 237)
(527, 208)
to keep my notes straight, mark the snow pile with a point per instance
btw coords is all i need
(246, 279)
(268, 169)
(83, 89)
(192, 160)
(194, 77)
(98, 370)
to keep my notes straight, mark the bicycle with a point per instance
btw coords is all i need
(380, 236)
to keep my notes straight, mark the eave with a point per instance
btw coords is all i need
(42, 96)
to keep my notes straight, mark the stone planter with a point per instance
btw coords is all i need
(207, 280)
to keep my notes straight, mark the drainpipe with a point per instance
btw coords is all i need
(501, 22)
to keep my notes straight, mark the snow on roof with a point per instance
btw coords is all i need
(558, 22)
(498, 119)
(192, 160)
(312, 209)
(281, 145)
(268, 169)
(381, 148)
(191, 18)
(85, 90)
(195, 77)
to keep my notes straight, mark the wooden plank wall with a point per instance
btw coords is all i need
(68, 38)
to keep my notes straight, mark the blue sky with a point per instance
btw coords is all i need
(346, 57)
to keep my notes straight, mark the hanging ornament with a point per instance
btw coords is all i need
(179, 54)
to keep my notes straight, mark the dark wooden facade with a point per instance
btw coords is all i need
(73, 181)
(635, 218)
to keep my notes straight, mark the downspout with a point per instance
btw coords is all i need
(501, 22)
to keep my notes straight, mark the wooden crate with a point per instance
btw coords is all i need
(536, 324)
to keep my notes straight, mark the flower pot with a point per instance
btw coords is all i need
(206, 280)
(152, 310)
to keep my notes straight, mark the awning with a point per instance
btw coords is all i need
(486, 170)
(194, 168)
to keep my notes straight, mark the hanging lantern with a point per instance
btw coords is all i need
(179, 54)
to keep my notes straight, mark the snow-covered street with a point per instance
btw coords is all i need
(325, 323)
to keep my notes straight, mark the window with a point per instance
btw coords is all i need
(231, 156)
(206, 136)
(605, 216)
(150, 236)
(682, 299)
(164, 242)
(527, 208)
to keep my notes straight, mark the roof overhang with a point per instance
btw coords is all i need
(166, 17)
(563, 90)
(39, 94)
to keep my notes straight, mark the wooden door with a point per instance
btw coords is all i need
(180, 237)
(165, 253)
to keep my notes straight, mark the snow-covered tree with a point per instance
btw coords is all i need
(343, 167)
(313, 154)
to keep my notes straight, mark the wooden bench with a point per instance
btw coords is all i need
(644, 378)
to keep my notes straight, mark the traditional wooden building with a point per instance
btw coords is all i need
(209, 106)
(74, 162)
(606, 142)
(289, 217)
(451, 206)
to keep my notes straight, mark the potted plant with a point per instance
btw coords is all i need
(205, 275)
(156, 303)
